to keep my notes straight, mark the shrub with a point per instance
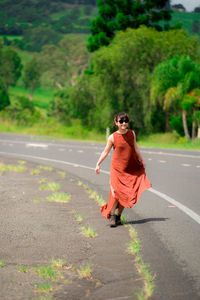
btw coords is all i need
(4, 98)
(23, 111)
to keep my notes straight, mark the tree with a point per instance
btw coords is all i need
(31, 76)
(4, 98)
(35, 38)
(10, 66)
(173, 85)
(120, 75)
(178, 7)
(61, 64)
(196, 26)
(118, 15)
(197, 9)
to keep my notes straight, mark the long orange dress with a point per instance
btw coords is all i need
(127, 176)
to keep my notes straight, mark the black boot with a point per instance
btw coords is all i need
(113, 220)
(118, 220)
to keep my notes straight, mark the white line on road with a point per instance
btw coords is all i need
(36, 145)
(185, 165)
(101, 147)
(171, 154)
(182, 207)
(5, 142)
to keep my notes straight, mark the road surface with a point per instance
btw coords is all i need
(167, 217)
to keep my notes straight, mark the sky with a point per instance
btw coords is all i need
(188, 4)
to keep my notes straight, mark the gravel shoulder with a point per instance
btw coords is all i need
(35, 232)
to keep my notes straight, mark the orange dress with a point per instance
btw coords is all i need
(127, 176)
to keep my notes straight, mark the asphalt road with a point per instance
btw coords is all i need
(167, 217)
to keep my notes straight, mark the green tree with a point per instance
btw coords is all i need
(174, 82)
(116, 15)
(195, 26)
(31, 76)
(4, 98)
(120, 75)
(35, 38)
(61, 64)
(10, 66)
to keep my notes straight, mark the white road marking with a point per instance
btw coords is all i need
(80, 151)
(171, 154)
(182, 207)
(91, 146)
(198, 166)
(36, 145)
(185, 165)
(149, 158)
(5, 142)
(162, 161)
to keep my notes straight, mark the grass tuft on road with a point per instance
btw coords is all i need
(59, 197)
(88, 231)
(51, 186)
(85, 271)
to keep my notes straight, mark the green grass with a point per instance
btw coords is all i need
(44, 287)
(41, 97)
(168, 140)
(62, 174)
(11, 168)
(58, 263)
(43, 180)
(46, 168)
(59, 197)
(23, 269)
(35, 172)
(134, 248)
(48, 272)
(11, 37)
(88, 231)
(185, 18)
(85, 271)
(50, 186)
(2, 263)
(52, 128)
(94, 195)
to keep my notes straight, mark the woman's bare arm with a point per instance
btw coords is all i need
(105, 153)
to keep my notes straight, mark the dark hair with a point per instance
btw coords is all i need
(120, 115)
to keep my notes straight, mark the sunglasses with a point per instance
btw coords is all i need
(126, 120)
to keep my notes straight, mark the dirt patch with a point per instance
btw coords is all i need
(34, 232)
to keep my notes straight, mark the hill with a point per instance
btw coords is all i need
(63, 16)
(187, 19)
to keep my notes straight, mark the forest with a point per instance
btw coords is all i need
(69, 66)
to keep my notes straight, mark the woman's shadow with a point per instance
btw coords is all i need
(142, 221)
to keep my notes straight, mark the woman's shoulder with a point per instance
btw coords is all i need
(111, 138)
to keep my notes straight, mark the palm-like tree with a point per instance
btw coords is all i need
(175, 84)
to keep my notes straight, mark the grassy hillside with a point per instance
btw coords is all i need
(186, 18)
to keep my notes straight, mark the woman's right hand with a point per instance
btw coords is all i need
(97, 169)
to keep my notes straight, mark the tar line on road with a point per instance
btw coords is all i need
(182, 207)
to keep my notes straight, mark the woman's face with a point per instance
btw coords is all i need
(122, 123)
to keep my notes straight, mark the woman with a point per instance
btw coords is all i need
(127, 175)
